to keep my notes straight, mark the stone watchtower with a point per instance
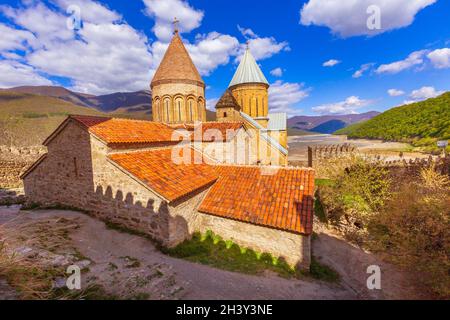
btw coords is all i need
(178, 90)
(249, 87)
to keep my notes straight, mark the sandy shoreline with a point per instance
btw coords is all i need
(298, 146)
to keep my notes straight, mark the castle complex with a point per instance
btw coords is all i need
(181, 174)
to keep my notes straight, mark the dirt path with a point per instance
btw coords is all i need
(130, 266)
(351, 263)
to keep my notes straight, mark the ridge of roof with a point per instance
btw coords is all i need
(248, 71)
(264, 134)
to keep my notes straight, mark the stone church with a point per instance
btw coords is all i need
(128, 171)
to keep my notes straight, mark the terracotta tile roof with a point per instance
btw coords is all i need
(283, 200)
(157, 170)
(121, 131)
(208, 136)
(177, 64)
(227, 131)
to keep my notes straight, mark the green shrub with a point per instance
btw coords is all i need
(413, 228)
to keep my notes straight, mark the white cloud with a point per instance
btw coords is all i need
(424, 93)
(440, 58)
(103, 56)
(284, 95)
(359, 73)
(91, 11)
(277, 72)
(47, 25)
(349, 105)
(331, 63)
(349, 17)
(211, 104)
(247, 32)
(212, 50)
(414, 59)
(108, 57)
(164, 12)
(395, 92)
(13, 74)
(107, 54)
(13, 39)
(261, 47)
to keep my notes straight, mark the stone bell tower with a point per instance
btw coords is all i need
(249, 87)
(178, 90)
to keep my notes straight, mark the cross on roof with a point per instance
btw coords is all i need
(175, 25)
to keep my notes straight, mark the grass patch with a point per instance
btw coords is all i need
(212, 250)
(323, 182)
(319, 210)
(322, 272)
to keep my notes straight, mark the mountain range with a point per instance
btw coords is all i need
(328, 123)
(136, 104)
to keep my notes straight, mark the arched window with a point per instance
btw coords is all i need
(180, 112)
(224, 114)
(257, 109)
(191, 109)
(157, 110)
(200, 109)
(166, 110)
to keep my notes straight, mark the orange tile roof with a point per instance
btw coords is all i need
(207, 133)
(120, 131)
(157, 170)
(177, 64)
(227, 130)
(283, 200)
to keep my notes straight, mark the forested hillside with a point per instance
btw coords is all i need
(421, 123)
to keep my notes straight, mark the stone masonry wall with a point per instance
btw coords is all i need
(76, 173)
(294, 248)
(14, 161)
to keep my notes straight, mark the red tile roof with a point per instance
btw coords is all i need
(157, 170)
(211, 131)
(282, 200)
(120, 131)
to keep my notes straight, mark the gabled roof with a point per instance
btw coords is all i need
(228, 100)
(33, 166)
(177, 65)
(161, 173)
(114, 131)
(277, 121)
(277, 197)
(263, 133)
(248, 71)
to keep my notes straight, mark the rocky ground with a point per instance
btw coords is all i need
(127, 266)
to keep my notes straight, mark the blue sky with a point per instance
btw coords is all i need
(120, 43)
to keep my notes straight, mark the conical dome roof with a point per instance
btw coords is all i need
(248, 71)
(177, 64)
(227, 100)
